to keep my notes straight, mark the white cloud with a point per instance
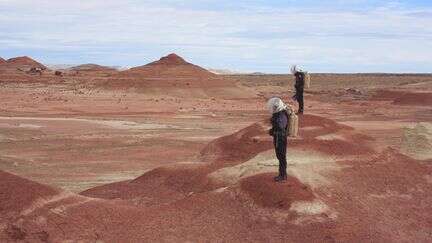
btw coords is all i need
(251, 38)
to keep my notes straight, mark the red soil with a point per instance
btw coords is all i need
(390, 193)
(2, 60)
(321, 126)
(240, 146)
(421, 99)
(404, 98)
(387, 94)
(198, 216)
(335, 147)
(353, 145)
(265, 192)
(159, 186)
(17, 193)
(178, 202)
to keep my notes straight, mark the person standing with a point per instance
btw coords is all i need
(299, 87)
(279, 122)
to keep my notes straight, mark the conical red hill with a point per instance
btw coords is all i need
(171, 59)
(171, 66)
(2, 60)
(23, 62)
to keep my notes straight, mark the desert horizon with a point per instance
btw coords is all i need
(222, 71)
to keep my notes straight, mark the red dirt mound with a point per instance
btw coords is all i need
(320, 124)
(368, 209)
(174, 182)
(239, 146)
(163, 185)
(246, 143)
(265, 192)
(335, 147)
(2, 60)
(312, 126)
(169, 66)
(17, 193)
(173, 76)
(159, 186)
(404, 98)
(23, 63)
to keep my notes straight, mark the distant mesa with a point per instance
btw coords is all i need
(170, 66)
(60, 67)
(223, 71)
(92, 67)
(232, 72)
(257, 73)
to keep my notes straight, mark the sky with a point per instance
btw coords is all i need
(258, 36)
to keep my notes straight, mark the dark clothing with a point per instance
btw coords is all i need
(299, 98)
(299, 86)
(279, 123)
(280, 145)
(299, 82)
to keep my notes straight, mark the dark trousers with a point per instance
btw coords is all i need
(280, 144)
(299, 98)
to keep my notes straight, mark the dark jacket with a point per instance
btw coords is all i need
(279, 123)
(299, 81)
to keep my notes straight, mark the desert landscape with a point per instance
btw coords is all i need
(170, 152)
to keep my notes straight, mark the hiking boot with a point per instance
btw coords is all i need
(280, 178)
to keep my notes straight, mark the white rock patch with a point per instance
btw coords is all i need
(309, 212)
(31, 126)
(417, 141)
(310, 168)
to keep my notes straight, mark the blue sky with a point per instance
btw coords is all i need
(260, 35)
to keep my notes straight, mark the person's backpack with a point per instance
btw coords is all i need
(307, 80)
(292, 127)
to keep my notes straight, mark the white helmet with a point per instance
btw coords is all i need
(275, 105)
(295, 68)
